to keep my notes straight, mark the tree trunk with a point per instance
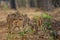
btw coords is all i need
(35, 1)
(27, 3)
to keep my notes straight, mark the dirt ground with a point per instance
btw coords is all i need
(3, 16)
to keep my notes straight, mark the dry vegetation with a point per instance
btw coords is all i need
(4, 35)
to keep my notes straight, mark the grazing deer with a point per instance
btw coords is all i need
(31, 22)
(13, 21)
(26, 20)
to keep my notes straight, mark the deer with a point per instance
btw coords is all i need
(12, 21)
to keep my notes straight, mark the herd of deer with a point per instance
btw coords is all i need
(19, 20)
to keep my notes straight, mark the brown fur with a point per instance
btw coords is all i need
(13, 20)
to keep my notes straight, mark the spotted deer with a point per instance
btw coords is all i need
(14, 20)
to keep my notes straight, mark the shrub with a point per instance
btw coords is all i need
(46, 16)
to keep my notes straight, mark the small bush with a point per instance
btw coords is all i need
(46, 16)
(21, 33)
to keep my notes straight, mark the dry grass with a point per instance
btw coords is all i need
(29, 12)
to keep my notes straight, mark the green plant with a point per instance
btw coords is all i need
(46, 16)
(36, 18)
(21, 33)
(48, 25)
(47, 21)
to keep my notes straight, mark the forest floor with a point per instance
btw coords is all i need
(29, 12)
